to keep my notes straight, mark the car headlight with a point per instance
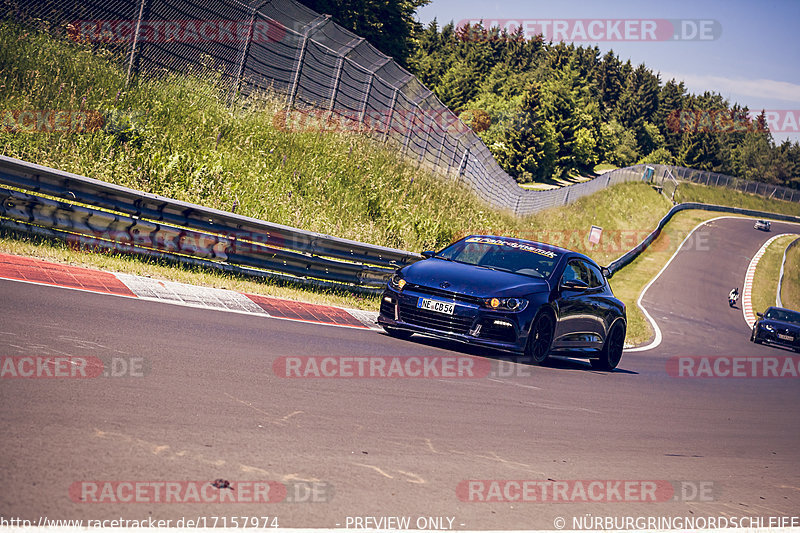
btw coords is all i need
(397, 282)
(506, 304)
(768, 328)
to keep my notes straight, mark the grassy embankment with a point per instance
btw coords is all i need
(176, 136)
(765, 282)
(790, 290)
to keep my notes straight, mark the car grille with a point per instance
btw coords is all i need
(441, 293)
(387, 309)
(431, 319)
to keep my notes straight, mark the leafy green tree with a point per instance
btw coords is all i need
(527, 148)
(639, 99)
(610, 81)
(390, 25)
(667, 116)
(588, 109)
(618, 144)
(700, 151)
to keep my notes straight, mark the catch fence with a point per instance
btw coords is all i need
(321, 68)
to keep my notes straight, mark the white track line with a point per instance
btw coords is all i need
(658, 337)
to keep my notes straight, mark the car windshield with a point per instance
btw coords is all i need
(783, 315)
(528, 259)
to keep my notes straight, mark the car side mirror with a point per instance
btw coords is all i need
(574, 284)
(760, 315)
(428, 254)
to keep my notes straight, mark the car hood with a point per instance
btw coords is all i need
(471, 280)
(780, 324)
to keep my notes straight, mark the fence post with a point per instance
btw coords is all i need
(439, 151)
(462, 167)
(409, 128)
(363, 112)
(425, 147)
(352, 44)
(322, 19)
(369, 89)
(391, 116)
(455, 154)
(245, 50)
(296, 81)
(335, 87)
(135, 42)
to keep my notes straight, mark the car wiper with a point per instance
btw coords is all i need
(497, 269)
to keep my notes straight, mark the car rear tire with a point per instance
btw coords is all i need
(540, 339)
(612, 349)
(398, 333)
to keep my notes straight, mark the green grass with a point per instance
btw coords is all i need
(600, 167)
(538, 186)
(176, 136)
(790, 290)
(691, 192)
(765, 282)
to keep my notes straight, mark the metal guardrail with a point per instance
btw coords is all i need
(102, 214)
(632, 254)
(792, 244)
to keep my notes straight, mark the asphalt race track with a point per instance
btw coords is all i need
(206, 405)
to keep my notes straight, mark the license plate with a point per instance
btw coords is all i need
(785, 337)
(435, 305)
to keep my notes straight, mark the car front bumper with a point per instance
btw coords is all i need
(771, 337)
(469, 323)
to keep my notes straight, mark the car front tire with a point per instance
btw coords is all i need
(612, 349)
(541, 339)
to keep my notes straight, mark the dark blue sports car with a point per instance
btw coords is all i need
(510, 294)
(778, 326)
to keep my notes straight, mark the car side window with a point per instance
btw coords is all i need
(576, 271)
(596, 276)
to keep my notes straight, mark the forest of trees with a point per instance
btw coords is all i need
(548, 110)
